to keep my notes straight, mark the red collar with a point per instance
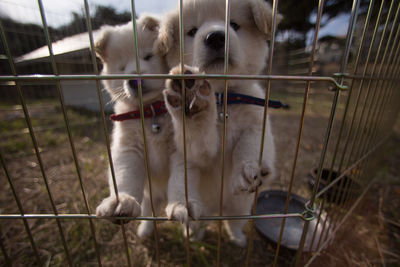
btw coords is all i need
(153, 109)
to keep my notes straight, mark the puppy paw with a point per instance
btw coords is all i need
(199, 95)
(249, 179)
(127, 206)
(178, 211)
(265, 170)
(196, 231)
(239, 239)
(145, 228)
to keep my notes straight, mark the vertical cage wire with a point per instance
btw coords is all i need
(362, 161)
(224, 124)
(382, 123)
(385, 87)
(20, 208)
(384, 110)
(343, 65)
(145, 149)
(67, 125)
(275, 4)
(183, 94)
(3, 162)
(345, 113)
(350, 211)
(334, 199)
(373, 107)
(345, 184)
(300, 132)
(358, 130)
(36, 146)
(7, 260)
(343, 162)
(358, 98)
(366, 133)
(367, 97)
(391, 96)
(362, 171)
(104, 123)
(101, 104)
(315, 40)
(389, 122)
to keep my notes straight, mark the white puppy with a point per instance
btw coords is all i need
(204, 43)
(117, 51)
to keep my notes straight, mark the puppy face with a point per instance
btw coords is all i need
(116, 49)
(204, 35)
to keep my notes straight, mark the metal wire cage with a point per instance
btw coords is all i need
(370, 91)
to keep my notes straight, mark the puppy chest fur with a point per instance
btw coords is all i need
(204, 43)
(117, 51)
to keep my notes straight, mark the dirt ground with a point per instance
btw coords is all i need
(369, 238)
(371, 235)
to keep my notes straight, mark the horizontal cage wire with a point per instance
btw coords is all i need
(56, 153)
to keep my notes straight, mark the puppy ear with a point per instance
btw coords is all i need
(262, 14)
(149, 22)
(101, 44)
(165, 37)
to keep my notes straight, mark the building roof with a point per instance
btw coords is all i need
(64, 46)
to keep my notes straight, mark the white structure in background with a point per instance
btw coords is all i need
(72, 55)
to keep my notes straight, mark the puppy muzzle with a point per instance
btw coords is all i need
(215, 40)
(132, 87)
(214, 44)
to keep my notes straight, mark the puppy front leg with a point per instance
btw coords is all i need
(130, 176)
(247, 175)
(202, 137)
(176, 208)
(145, 228)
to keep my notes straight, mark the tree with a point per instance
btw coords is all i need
(299, 16)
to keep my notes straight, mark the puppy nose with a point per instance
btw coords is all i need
(134, 84)
(215, 40)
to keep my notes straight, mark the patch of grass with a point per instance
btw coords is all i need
(93, 163)
(48, 124)
(52, 139)
(9, 126)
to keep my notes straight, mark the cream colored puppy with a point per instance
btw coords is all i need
(116, 50)
(204, 44)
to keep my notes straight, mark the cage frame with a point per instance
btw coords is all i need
(361, 147)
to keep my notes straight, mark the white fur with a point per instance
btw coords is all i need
(116, 50)
(248, 54)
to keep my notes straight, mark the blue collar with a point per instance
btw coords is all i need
(246, 99)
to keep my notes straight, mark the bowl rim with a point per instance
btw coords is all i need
(282, 194)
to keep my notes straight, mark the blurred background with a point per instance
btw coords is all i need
(68, 31)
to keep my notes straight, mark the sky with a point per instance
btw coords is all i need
(335, 27)
(59, 12)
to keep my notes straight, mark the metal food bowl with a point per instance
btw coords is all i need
(273, 202)
(347, 188)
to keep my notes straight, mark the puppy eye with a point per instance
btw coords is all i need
(235, 26)
(148, 57)
(192, 32)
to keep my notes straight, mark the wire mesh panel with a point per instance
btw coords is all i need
(337, 123)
